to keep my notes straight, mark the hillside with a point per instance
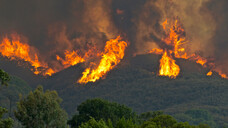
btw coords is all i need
(9, 96)
(134, 82)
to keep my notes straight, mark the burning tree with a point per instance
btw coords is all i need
(172, 46)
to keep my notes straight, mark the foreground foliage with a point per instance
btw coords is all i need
(100, 109)
(5, 123)
(4, 77)
(41, 109)
(138, 86)
(98, 113)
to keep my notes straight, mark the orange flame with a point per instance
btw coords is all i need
(71, 59)
(16, 50)
(156, 51)
(114, 52)
(49, 72)
(222, 75)
(175, 39)
(209, 73)
(168, 67)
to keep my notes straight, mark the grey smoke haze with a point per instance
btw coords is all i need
(54, 26)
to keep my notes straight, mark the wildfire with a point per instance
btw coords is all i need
(175, 40)
(222, 74)
(49, 72)
(156, 51)
(113, 53)
(168, 67)
(16, 50)
(209, 73)
(71, 59)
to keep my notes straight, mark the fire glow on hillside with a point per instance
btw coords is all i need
(174, 47)
(112, 55)
(114, 50)
(14, 49)
(72, 58)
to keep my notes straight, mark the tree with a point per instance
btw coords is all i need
(92, 123)
(163, 121)
(148, 115)
(167, 121)
(101, 109)
(4, 77)
(41, 110)
(123, 123)
(5, 123)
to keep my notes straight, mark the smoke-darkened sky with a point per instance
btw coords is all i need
(54, 26)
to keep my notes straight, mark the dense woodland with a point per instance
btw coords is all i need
(149, 100)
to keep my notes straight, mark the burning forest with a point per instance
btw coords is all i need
(173, 47)
(158, 57)
(80, 37)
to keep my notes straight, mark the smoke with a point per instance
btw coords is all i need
(148, 32)
(54, 26)
(219, 12)
(195, 16)
(198, 23)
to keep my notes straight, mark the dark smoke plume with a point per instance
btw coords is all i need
(54, 26)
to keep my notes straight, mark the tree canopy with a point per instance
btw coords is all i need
(100, 109)
(41, 109)
(5, 123)
(4, 77)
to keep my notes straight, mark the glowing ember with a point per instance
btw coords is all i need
(156, 51)
(222, 75)
(16, 50)
(209, 73)
(200, 60)
(49, 72)
(114, 52)
(168, 66)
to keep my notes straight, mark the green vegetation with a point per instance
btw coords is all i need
(41, 110)
(137, 85)
(10, 95)
(192, 97)
(101, 109)
(95, 118)
(4, 77)
(5, 123)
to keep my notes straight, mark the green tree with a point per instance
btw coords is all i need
(5, 123)
(41, 110)
(123, 123)
(101, 109)
(4, 77)
(148, 115)
(92, 123)
(167, 121)
(164, 120)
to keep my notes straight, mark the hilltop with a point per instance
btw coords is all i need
(135, 83)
